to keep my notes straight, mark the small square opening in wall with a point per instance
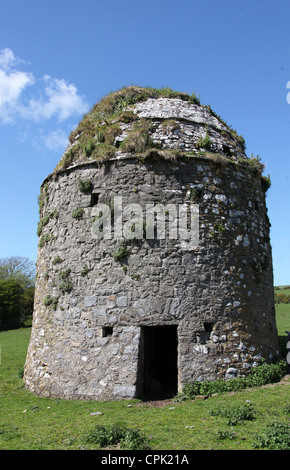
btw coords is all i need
(208, 326)
(94, 199)
(107, 331)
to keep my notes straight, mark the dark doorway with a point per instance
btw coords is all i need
(157, 375)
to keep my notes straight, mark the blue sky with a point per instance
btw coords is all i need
(58, 58)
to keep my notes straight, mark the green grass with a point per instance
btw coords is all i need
(283, 317)
(28, 422)
(283, 314)
(282, 291)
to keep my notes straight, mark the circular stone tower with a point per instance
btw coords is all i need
(123, 309)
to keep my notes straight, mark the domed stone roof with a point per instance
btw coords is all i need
(147, 121)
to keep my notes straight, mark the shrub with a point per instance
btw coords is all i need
(66, 287)
(43, 240)
(204, 142)
(128, 438)
(134, 440)
(99, 435)
(266, 182)
(85, 186)
(84, 271)
(275, 436)
(121, 253)
(42, 198)
(235, 415)
(44, 221)
(219, 227)
(50, 301)
(281, 298)
(78, 213)
(64, 274)
(260, 375)
(47, 301)
(267, 373)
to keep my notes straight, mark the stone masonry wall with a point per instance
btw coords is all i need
(220, 295)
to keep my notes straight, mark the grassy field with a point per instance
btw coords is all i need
(283, 290)
(283, 318)
(28, 422)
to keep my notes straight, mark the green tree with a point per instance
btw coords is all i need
(17, 283)
(11, 294)
(20, 268)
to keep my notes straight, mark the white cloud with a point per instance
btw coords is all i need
(6, 58)
(12, 84)
(56, 140)
(58, 98)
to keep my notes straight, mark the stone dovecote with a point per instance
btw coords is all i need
(119, 318)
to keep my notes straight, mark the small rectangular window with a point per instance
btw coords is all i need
(208, 327)
(107, 331)
(94, 199)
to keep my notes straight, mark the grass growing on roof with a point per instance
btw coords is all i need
(115, 104)
(95, 136)
(138, 139)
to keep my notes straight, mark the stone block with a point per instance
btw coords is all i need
(90, 301)
(124, 391)
(99, 312)
(122, 301)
